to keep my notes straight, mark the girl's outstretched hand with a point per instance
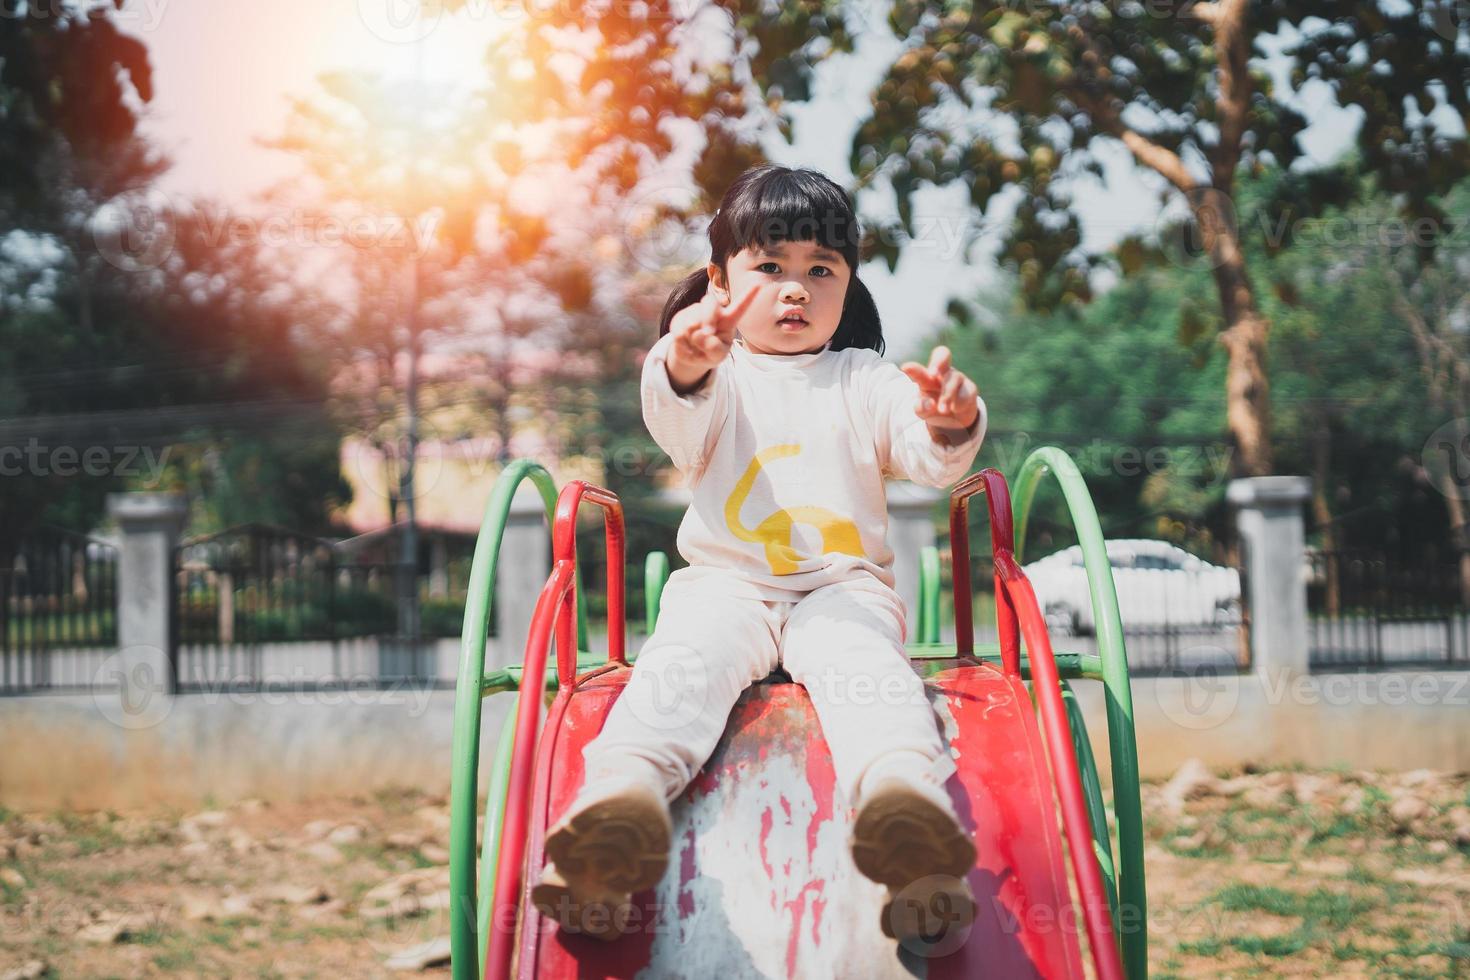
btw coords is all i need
(703, 333)
(948, 400)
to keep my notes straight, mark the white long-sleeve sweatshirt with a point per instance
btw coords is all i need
(785, 456)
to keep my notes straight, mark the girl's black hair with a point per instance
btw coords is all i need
(769, 204)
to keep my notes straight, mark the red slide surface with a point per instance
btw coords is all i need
(761, 882)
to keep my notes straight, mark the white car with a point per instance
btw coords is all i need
(1157, 583)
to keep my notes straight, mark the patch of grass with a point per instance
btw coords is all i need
(1323, 914)
(1210, 946)
(1360, 875)
(150, 936)
(176, 959)
(1287, 945)
(398, 800)
(1331, 908)
(88, 835)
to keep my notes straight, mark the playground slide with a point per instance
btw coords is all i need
(760, 881)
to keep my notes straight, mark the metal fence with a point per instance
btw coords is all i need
(258, 606)
(1367, 610)
(58, 613)
(1179, 612)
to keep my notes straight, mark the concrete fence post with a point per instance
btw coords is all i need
(150, 524)
(1269, 519)
(525, 562)
(910, 529)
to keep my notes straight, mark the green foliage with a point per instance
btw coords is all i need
(1129, 385)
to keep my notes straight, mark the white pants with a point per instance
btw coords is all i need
(843, 642)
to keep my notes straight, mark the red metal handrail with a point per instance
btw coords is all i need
(1017, 610)
(556, 610)
(1002, 538)
(551, 608)
(564, 548)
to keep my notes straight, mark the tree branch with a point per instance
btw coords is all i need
(1208, 13)
(1159, 158)
(1232, 52)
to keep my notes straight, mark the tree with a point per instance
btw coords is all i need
(1186, 91)
(128, 331)
(1127, 383)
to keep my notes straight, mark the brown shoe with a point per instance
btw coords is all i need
(602, 917)
(906, 836)
(613, 841)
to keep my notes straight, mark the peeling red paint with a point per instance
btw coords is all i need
(823, 780)
(687, 872)
(766, 823)
(794, 908)
(818, 904)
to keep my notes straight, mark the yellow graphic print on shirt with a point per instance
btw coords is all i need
(838, 533)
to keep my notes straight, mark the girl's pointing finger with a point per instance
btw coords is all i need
(939, 361)
(920, 375)
(729, 314)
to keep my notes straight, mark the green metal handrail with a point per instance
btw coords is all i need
(467, 935)
(655, 576)
(927, 630)
(1131, 894)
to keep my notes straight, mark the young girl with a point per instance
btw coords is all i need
(767, 391)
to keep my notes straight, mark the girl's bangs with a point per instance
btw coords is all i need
(786, 214)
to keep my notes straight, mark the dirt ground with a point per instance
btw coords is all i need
(1280, 873)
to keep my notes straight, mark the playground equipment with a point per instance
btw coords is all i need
(760, 881)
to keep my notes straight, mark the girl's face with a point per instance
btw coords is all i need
(804, 280)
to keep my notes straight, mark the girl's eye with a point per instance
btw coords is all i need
(775, 268)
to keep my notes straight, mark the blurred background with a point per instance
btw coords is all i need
(284, 287)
